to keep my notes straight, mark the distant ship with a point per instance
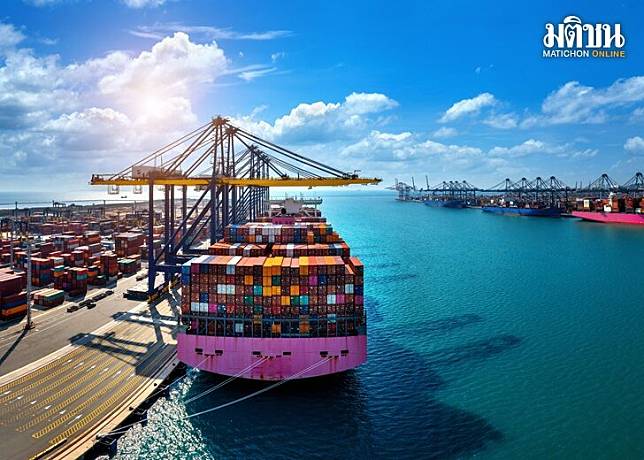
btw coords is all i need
(457, 204)
(516, 211)
(610, 217)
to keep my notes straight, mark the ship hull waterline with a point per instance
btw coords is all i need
(610, 218)
(229, 356)
(529, 212)
(452, 204)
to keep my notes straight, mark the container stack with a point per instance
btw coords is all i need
(13, 297)
(278, 291)
(41, 271)
(73, 281)
(237, 249)
(109, 264)
(48, 298)
(129, 266)
(77, 258)
(298, 250)
(298, 232)
(92, 237)
(66, 243)
(46, 249)
(77, 227)
(128, 244)
(144, 248)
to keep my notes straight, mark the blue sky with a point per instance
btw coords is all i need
(454, 90)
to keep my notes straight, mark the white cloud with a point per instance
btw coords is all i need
(32, 89)
(363, 103)
(534, 146)
(143, 3)
(9, 36)
(250, 75)
(637, 115)
(586, 153)
(634, 144)
(160, 30)
(526, 148)
(92, 129)
(173, 64)
(444, 132)
(502, 121)
(468, 106)
(277, 56)
(43, 2)
(576, 103)
(107, 111)
(382, 146)
(323, 122)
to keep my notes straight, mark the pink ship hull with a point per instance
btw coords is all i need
(611, 217)
(230, 355)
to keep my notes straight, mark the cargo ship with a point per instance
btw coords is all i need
(611, 210)
(275, 299)
(610, 217)
(517, 211)
(448, 203)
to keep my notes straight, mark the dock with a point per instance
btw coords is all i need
(57, 405)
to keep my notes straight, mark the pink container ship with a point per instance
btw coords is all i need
(610, 217)
(274, 300)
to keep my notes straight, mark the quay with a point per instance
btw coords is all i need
(55, 406)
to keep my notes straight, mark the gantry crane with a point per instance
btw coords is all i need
(232, 168)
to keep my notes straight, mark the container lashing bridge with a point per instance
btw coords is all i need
(232, 169)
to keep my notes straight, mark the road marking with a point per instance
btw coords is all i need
(75, 396)
(32, 375)
(127, 330)
(66, 403)
(103, 406)
(43, 390)
(80, 380)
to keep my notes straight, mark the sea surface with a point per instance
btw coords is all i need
(490, 337)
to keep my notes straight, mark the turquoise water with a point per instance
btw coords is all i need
(489, 337)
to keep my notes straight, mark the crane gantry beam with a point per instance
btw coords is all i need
(233, 169)
(241, 182)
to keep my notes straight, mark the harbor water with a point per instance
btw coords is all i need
(489, 336)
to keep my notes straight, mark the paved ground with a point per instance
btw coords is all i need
(67, 397)
(56, 328)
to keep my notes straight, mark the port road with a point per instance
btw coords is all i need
(61, 381)
(89, 387)
(56, 328)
